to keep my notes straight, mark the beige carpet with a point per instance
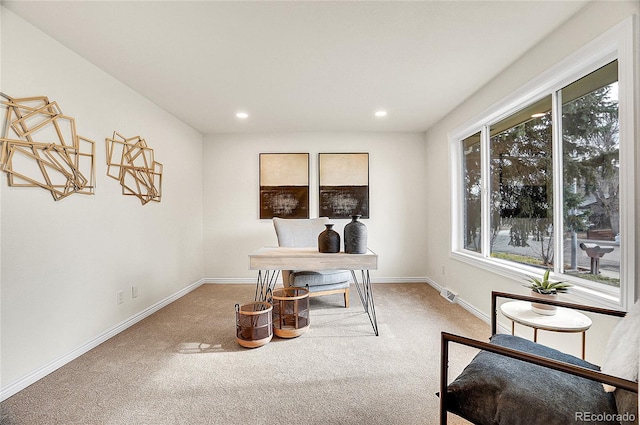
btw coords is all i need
(182, 365)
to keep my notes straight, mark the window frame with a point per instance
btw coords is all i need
(618, 43)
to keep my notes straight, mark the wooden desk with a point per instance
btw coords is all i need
(270, 260)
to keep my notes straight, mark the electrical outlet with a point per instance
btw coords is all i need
(120, 297)
(134, 291)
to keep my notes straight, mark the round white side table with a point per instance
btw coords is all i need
(565, 320)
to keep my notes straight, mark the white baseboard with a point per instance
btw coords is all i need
(232, 280)
(469, 307)
(252, 281)
(397, 279)
(22, 383)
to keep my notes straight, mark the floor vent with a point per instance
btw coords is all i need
(449, 295)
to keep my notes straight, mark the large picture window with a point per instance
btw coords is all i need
(546, 182)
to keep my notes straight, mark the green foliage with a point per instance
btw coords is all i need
(611, 281)
(522, 186)
(517, 258)
(575, 220)
(591, 158)
(546, 286)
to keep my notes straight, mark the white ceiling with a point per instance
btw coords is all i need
(300, 65)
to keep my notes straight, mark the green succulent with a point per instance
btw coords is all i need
(546, 286)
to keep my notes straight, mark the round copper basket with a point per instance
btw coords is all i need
(290, 311)
(254, 327)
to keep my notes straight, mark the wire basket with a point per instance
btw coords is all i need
(290, 311)
(254, 324)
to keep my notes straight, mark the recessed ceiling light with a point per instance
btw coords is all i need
(242, 115)
(381, 113)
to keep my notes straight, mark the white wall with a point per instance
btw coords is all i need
(63, 262)
(473, 284)
(398, 204)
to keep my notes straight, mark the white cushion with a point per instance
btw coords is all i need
(623, 349)
(299, 232)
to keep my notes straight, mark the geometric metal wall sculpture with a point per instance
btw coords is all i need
(131, 162)
(40, 148)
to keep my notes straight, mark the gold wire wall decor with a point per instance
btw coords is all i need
(131, 162)
(40, 148)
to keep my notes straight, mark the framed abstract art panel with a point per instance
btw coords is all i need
(344, 185)
(284, 185)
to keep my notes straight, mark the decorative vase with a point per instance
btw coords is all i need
(329, 240)
(355, 236)
(544, 309)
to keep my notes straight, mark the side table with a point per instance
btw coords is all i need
(565, 320)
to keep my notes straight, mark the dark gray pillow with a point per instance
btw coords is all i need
(627, 403)
(495, 389)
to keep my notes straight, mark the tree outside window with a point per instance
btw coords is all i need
(522, 224)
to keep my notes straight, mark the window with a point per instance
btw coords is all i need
(521, 173)
(591, 180)
(472, 192)
(545, 180)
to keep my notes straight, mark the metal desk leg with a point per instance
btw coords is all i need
(366, 296)
(266, 281)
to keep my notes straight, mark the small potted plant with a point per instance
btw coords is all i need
(545, 288)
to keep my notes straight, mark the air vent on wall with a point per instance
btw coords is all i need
(449, 295)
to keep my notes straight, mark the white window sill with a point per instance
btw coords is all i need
(518, 273)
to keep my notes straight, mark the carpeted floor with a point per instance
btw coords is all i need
(182, 365)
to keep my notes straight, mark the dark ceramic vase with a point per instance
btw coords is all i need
(355, 236)
(329, 240)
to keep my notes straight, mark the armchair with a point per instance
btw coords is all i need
(304, 233)
(515, 381)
